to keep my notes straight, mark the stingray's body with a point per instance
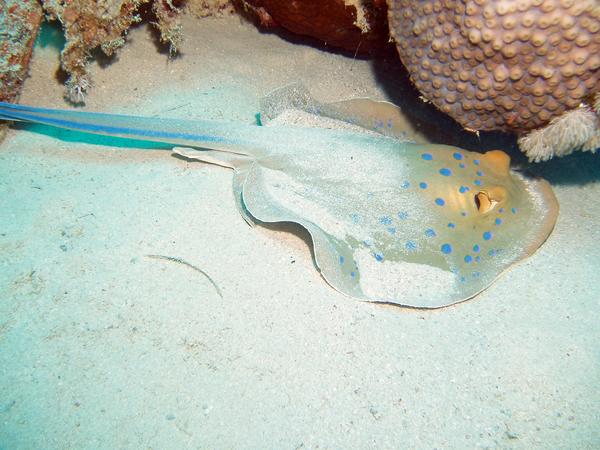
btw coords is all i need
(416, 225)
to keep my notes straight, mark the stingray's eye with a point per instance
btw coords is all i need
(487, 200)
(483, 202)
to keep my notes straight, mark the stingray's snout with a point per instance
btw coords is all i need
(487, 199)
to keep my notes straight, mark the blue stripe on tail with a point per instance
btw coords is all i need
(9, 111)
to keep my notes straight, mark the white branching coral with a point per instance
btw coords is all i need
(578, 129)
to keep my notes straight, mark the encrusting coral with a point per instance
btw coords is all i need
(19, 24)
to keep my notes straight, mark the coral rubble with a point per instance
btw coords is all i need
(89, 24)
(19, 24)
(510, 65)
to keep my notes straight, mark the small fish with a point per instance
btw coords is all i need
(391, 221)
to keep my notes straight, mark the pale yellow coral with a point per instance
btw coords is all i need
(578, 129)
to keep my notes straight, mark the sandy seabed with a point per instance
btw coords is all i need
(103, 347)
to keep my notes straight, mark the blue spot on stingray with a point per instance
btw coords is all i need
(461, 165)
(427, 156)
(391, 230)
(430, 232)
(492, 252)
(341, 259)
(405, 185)
(464, 214)
(451, 225)
(468, 259)
(478, 258)
(501, 210)
(378, 257)
(423, 185)
(477, 182)
(479, 173)
(352, 274)
(476, 248)
(463, 189)
(389, 123)
(487, 235)
(476, 162)
(410, 245)
(514, 210)
(402, 215)
(498, 221)
(446, 249)
(385, 220)
(445, 171)
(440, 201)
(457, 156)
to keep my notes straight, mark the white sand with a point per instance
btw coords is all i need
(102, 347)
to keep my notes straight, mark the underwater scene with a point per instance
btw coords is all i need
(333, 224)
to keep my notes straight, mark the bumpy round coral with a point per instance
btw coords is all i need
(508, 65)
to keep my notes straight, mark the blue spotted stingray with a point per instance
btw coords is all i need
(391, 221)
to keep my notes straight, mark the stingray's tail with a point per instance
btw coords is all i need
(224, 136)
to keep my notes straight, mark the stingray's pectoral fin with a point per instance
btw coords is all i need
(293, 96)
(269, 196)
(239, 163)
(219, 158)
(379, 116)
